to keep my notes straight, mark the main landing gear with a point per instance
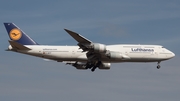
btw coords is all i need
(93, 66)
(158, 66)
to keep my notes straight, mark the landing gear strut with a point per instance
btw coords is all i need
(89, 65)
(95, 66)
(158, 66)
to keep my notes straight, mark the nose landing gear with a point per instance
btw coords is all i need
(158, 66)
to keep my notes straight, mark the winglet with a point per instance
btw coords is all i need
(78, 37)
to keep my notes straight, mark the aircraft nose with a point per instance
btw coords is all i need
(172, 55)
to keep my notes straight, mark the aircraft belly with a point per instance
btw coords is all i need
(70, 57)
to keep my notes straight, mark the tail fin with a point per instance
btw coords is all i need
(17, 35)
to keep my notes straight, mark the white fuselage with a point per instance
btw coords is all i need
(87, 54)
(130, 53)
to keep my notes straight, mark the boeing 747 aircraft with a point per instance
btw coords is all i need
(87, 55)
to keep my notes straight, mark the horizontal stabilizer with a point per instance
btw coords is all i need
(18, 46)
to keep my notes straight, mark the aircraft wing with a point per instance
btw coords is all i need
(83, 42)
(77, 65)
(95, 52)
(78, 37)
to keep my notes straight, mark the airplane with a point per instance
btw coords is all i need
(87, 55)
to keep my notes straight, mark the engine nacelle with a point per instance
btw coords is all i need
(99, 47)
(114, 55)
(79, 66)
(105, 66)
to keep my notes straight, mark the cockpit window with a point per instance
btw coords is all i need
(162, 47)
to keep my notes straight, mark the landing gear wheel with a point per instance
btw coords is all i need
(93, 69)
(158, 67)
(89, 66)
(95, 66)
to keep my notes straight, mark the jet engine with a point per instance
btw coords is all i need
(104, 66)
(114, 55)
(96, 47)
(78, 65)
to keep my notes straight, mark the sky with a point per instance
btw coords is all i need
(27, 78)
